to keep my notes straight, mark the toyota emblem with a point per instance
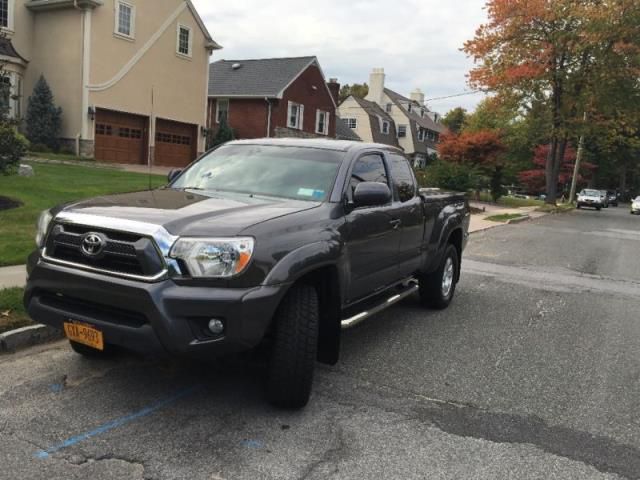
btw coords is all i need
(93, 244)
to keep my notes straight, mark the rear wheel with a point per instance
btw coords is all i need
(294, 350)
(438, 288)
(89, 352)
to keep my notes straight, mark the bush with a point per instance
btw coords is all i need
(13, 146)
(40, 148)
(224, 134)
(44, 119)
(448, 176)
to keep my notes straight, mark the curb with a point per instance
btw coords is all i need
(521, 219)
(11, 342)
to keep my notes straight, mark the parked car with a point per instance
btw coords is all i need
(590, 198)
(613, 198)
(271, 243)
(635, 206)
(605, 198)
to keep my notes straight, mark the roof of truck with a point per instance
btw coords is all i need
(320, 143)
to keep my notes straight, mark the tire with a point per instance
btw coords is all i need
(89, 352)
(433, 291)
(578, 207)
(598, 208)
(294, 349)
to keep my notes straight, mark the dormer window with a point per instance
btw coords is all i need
(125, 19)
(422, 112)
(385, 127)
(389, 107)
(6, 14)
(409, 108)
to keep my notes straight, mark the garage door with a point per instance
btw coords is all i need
(176, 143)
(120, 137)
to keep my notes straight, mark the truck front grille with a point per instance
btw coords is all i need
(122, 252)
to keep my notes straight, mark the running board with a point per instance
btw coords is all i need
(356, 319)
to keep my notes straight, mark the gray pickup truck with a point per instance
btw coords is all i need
(274, 243)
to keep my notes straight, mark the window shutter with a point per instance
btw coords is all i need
(288, 114)
(301, 118)
(327, 116)
(317, 120)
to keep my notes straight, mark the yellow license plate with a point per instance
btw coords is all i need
(85, 335)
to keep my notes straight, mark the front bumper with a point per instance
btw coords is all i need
(151, 318)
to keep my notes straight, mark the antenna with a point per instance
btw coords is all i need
(151, 129)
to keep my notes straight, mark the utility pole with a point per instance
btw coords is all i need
(576, 169)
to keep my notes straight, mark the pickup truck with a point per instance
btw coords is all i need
(276, 243)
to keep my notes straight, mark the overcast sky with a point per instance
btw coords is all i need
(416, 41)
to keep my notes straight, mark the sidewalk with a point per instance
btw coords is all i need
(13, 276)
(479, 221)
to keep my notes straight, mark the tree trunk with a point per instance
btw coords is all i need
(551, 180)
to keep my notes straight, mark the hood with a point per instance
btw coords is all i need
(184, 213)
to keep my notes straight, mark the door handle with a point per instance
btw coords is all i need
(395, 224)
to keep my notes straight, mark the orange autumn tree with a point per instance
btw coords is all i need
(481, 150)
(557, 52)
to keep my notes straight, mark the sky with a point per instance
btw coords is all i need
(416, 42)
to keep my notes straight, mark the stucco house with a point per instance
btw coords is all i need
(273, 97)
(368, 121)
(130, 75)
(418, 128)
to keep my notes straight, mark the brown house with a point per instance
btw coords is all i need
(276, 97)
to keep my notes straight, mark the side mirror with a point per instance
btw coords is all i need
(173, 174)
(371, 194)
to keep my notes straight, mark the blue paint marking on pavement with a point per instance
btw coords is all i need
(117, 422)
(56, 387)
(257, 444)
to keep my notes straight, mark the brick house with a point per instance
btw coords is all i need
(275, 97)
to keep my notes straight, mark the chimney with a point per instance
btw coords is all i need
(376, 86)
(417, 96)
(334, 88)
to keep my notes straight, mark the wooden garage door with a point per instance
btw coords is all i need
(176, 143)
(121, 137)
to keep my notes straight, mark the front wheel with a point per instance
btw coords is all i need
(438, 288)
(294, 349)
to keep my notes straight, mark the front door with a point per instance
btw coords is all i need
(373, 235)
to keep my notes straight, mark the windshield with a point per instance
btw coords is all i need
(265, 170)
(590, 193)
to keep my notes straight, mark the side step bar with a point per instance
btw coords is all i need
(360, 317)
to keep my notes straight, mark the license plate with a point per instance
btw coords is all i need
(84, 334)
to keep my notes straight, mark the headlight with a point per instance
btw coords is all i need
(214, 257)
(43, 227)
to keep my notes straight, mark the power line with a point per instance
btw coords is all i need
(473, 92)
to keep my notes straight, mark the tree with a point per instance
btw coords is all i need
(44, 118)
(535, 179)
(557, 53)
(359, 90)
(224, 134)
(455, 119)
(482, 150)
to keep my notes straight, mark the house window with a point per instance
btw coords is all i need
(10, 94)
(222, 110)
(385, 127)
(184, 40)
(4, 13)
(422, 112)
(409, 108)
(322, 122)
(421, 133)
(402, 131)
(125, 19)
(389, 107)
(352, 122)
(296, 112)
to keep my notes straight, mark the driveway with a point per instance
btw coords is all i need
(533, 373)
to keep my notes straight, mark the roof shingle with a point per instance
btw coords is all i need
(255, 78)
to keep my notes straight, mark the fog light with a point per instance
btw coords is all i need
(216, 326)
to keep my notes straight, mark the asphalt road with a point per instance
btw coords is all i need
(533, 373)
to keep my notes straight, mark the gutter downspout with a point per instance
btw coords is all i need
(266, 99)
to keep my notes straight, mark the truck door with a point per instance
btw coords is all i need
(373, 234)
(411, 212)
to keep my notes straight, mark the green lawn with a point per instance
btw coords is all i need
(512, 201)
(54, 184)
(505, 217)
(12, 312)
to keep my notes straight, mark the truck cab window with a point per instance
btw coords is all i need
(403, 178)
(369, 168)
